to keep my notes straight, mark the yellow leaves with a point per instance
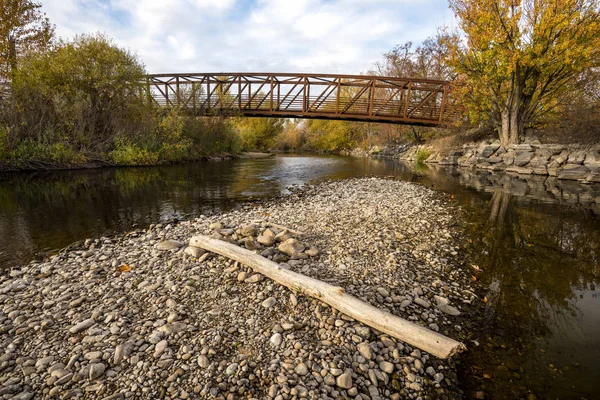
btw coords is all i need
(124, 268)
(535, 45)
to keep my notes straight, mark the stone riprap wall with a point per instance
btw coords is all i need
(560, 161)
(525, 188)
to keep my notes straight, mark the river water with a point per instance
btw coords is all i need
(536, 241)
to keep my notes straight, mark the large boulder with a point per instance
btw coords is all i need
(521, 147)
(523, 158)
(577, 157)
(519, 170)
(592, 160)
(489, 150)
(574, 172)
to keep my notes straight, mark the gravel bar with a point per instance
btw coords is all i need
(144, 315)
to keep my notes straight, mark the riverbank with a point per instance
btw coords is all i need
(31, 166)
(563, 162)
(138, 315)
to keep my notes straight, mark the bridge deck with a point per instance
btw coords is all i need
(327, 96)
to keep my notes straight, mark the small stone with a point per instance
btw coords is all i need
(293, 299)
(215, 226)
(169, 245)
(122, 351)
(312, 252)
(301, 369)
(82, 326)
(386, 366)
(363, 331)
(42, 363)
(438, 377)
(276, 339)
(291, 246)
(160, 348)
(266, 240)
(249, 230)
(344, 380)
(422, 302)
(448, 309)
(270, 302)
(173, 316)
(232, 369)
(97, 370)
(254, 278)
(203, 361)
(87, 254)
(364, 349)
(93, 355)
(383, 292)
(250, 244)
(194, 251)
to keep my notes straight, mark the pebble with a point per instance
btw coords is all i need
(364, 349)
(291, 247)
(83, 325)
(169, 245)
(97, 370)
(386, 366)
(344, 380)
(270, 302)
(276, 339)
(160, 348)
(301, 369)
(203, 361)
(232, 369)
(422, 302)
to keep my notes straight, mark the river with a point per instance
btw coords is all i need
(536, 242)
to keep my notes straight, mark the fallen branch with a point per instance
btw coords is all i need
(335, 296)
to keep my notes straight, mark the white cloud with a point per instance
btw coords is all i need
(265, 35)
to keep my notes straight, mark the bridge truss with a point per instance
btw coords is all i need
(325, 96)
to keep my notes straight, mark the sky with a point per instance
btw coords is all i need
(320, 36)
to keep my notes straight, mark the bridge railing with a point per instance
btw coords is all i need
(349, 97)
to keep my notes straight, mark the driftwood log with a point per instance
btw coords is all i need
(335, 296)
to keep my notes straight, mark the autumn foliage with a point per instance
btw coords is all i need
(518, 59)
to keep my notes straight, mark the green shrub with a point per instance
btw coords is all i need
(127, 153)
(422, 155)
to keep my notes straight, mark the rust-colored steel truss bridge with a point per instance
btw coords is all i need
(343, 97)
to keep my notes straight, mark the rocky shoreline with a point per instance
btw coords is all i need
(565, 162)
(142, 315)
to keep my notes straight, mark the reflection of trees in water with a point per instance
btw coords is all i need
(50, 210)
(533, 258)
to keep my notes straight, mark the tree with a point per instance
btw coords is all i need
(519, 58)
(427, 61)
(86, 90)
(259, 133)
(331, 135)
(23, 28)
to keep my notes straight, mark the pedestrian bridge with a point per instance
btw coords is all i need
(365, 98)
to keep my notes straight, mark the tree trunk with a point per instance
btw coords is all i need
(512, 123)
(12, 56)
